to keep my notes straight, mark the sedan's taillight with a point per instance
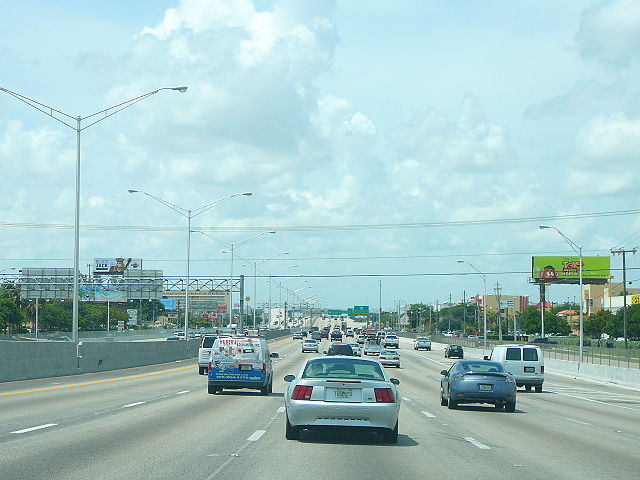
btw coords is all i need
(302, 392)
(384, 395)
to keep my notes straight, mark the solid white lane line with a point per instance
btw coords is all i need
(475, 442)
(280, 410)
(427, 414)
(577, 421)
(46, 425)
(596, 401)
(183, 392)
(132, 404)
(256, 435)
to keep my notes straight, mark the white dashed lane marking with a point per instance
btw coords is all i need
(39, 427)
(132, 404)
(475, 442)
(183, 392)
(256, 435)
(577, 421)
(280, 410)
(427, 414)
(406, 399)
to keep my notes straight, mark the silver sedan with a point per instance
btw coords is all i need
(333, 392)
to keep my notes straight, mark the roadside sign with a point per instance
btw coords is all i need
(635, 299)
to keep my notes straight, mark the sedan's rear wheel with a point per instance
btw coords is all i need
(451, 403)
(391, 436)
(443, 401)
(499, 406)
(291, 432)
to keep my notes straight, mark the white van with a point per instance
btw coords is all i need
(240, 363)
(524, 362)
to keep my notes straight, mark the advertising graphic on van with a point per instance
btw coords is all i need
(240, 363)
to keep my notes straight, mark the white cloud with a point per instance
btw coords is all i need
(609, 140)
(609, 32)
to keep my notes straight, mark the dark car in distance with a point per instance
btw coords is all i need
(453, 351)
(340, 349)
(336, 335)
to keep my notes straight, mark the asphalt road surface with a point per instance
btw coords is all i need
(158, 422)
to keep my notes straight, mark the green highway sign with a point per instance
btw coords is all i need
(335, 312)
(361, 311)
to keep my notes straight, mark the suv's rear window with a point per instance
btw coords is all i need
(513, 354)
(530, 354)
(207, 342)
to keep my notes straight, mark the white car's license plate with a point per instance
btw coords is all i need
(343, 393)
(485, 388)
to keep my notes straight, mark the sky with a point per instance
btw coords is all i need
(382, 141)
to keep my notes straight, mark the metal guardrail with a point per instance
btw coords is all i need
(613, 357)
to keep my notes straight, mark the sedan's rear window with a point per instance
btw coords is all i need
(530, 354)
(343, 368)
(482, 367)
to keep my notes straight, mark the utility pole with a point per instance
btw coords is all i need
(623, 252)
(464, 311)
(380, 304)
(497, 289)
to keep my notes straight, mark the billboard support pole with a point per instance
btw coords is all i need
(543, 302)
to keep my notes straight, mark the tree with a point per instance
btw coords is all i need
(633, 322)
(416, 312)
(595, 325)
(10, 315)
(530, 322)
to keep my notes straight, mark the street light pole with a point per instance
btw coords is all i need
(484, 303)
(232, 247)
(189, 214)
(255, 277)
(75, 123)
(578, 249)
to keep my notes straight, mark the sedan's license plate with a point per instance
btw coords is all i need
(246, 367)
(529, 369)
(485, 388)
(343, 393)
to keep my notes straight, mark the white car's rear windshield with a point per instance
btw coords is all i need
(343, 368)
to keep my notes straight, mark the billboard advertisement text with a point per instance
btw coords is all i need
(550, 269)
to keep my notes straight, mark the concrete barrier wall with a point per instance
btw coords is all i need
(271, 334)
(27, 360)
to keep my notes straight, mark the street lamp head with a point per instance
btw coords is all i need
(247, 194)
(271, 232)
(460, 261)
(133, 191)
(542, 227)
(181, 89)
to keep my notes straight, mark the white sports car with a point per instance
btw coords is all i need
(341, 391)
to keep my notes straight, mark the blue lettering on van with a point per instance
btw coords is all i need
(236, 374)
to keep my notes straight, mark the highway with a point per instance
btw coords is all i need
(158, 422)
